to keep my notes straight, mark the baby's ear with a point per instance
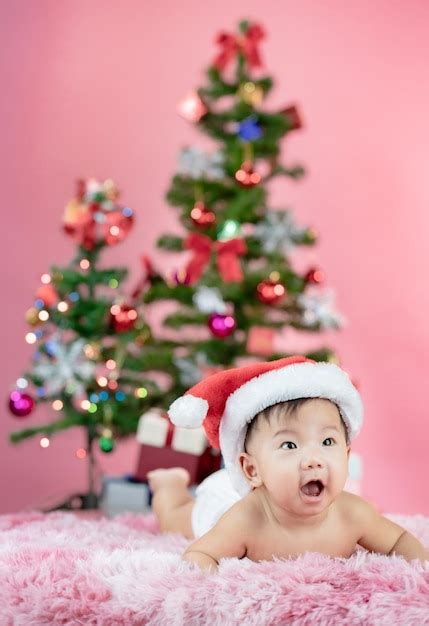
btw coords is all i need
(250, 469)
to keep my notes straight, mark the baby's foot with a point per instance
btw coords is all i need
(174, 476)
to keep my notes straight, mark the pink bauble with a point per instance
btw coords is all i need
(20, 404)
(221, 325)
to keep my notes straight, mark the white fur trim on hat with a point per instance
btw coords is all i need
(299, 380)
(188, 411)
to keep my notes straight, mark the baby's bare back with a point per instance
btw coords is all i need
(336, 536)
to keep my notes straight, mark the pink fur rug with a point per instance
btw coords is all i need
(64, 569)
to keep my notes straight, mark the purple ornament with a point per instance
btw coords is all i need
(221, 325)
(20, 404)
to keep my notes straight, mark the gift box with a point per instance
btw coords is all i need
(164, 445)
(122, 494)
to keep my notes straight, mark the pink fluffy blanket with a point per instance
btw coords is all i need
(63, 569)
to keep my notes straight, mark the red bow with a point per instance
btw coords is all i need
(247, 44)
(227, 256)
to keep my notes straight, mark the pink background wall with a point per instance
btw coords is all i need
(90, 89)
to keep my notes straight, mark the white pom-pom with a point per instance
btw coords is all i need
(188, 411)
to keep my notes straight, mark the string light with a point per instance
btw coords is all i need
(44, 442)
(43, 316)
(81, 453)
(57, 405)
(84, 264)
(46, 279)
(111, 364)
(62, 306)
(30, 338)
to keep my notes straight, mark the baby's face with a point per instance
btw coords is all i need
(290, 452)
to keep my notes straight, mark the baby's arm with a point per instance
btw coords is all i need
(378, 534)
(226, 539)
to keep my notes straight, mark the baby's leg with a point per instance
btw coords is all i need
(171, 502)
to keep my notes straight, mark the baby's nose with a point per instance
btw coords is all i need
(312, 460)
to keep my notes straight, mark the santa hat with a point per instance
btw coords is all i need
(226, 402)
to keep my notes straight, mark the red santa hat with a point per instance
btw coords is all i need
(226, 402)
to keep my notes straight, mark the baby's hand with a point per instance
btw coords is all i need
(227, 539)
(205, 561)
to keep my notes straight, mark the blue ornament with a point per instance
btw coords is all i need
(249, 129)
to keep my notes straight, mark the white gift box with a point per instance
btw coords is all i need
(155, 429)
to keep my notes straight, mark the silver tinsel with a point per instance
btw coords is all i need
(318, 308)
(196, 163)
(209, 300)
(69, 366)
(190, 371)
(277, 232)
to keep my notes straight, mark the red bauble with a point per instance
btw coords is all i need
(221, 325)
(20, 404)
(270, 292)
(48, 294)
(201, 216)
(123, 317)
(315, 276)
(117, 225)
(246, 176)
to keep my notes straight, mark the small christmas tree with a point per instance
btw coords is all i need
(239, 283)
(94, 350)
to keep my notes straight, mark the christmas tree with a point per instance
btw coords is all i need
(95, 357)
(239, 284)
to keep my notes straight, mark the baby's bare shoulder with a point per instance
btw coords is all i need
(353, 507)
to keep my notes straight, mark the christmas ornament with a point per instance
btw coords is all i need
(251, 93)
(293, 117)
(245, 44)
(65, 368)
(122, 317)
(246, 175)
(315, 276)
(32, 317)
(201, 216)
(20, 404)
(195, 163)
(229, 230)
(117, 225)
(48, 294)
(277, 232)
(94, 217)
(221, 325)
(209, 300)
(181, 277)
(270, 291)
(106, 444)
(318, 309)
(192, 108)
(227, 256)
(249, 129)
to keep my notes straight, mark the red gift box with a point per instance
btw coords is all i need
(164, 445)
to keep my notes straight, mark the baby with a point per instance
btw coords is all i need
(284, 429)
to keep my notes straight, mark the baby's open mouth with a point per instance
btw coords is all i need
(313, 488)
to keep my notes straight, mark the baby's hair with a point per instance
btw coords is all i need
(289, 407)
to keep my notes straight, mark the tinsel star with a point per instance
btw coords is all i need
(318, 308)
(68, 366)
(209, 300)
(195, 163)
(277, 232)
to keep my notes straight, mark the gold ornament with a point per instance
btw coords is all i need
(251, 93)
(32, 317)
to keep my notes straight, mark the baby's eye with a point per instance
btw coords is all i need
(330, 439)
(285, 445)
